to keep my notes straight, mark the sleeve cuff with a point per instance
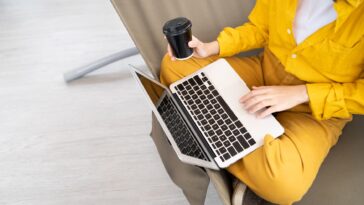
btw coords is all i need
(327, 100)
(226, 43)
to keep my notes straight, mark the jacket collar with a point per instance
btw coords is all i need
(343, 9)
(355, 3)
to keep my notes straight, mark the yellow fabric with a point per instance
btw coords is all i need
(330, 61)
(283, 169)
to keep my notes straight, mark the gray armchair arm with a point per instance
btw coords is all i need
(222, 183)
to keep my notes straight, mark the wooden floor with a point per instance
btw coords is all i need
(79, 144)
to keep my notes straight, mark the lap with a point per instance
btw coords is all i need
(248, 68)
(302, 131)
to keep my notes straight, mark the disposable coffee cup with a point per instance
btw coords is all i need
(178, 33)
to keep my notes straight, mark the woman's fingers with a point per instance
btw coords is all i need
(192, 44)
(263, 104)
(266, 100)
(259, 99)
(198, 47)
(268, 111)
(255, 92)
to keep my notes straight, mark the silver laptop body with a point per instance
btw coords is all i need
(178, 128)
(208, 103)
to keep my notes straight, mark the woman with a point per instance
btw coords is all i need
(310, 75)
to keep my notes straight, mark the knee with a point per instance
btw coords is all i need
(172, 71)
(166, 62)
(167, 75)
(286, 189)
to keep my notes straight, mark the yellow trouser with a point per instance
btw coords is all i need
(284, 168)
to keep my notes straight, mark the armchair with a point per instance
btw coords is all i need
(341, 179)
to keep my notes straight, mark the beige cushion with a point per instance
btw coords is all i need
(341, 177)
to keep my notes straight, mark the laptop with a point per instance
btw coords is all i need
(202, 117)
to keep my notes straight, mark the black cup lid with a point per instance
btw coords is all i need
(176, 26)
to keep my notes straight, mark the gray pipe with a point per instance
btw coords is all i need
(84, 70)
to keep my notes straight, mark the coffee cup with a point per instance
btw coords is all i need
(178, 33)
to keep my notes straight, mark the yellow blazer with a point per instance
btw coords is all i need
(330, 61)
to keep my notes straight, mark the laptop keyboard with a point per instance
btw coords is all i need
(221, 127)
(179, 130)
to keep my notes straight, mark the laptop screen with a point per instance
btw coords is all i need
(154, 90)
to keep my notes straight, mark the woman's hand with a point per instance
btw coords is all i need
(200, 49)
(266, 100)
